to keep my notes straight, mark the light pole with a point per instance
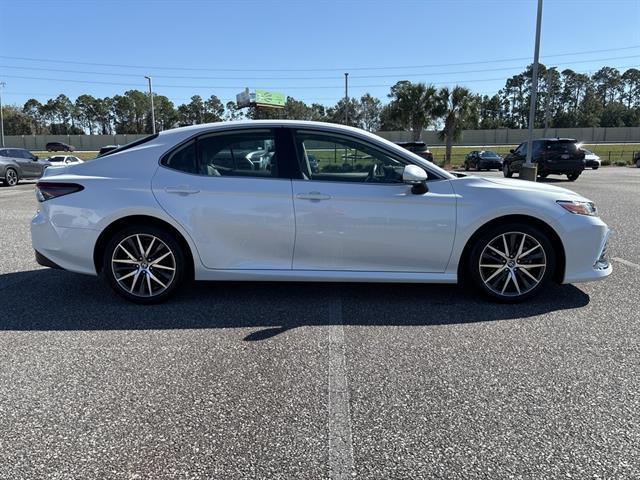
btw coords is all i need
(153, 113)
(529, 171)
(2, 84)
(346, 99)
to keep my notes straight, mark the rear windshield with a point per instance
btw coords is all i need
(488, 154)
(562, 146)
(130, 145)
(56, 159)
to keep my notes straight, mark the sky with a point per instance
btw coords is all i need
(297, 47)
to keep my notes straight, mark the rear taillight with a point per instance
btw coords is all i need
(48, 190)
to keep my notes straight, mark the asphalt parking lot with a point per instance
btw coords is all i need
(254, 380)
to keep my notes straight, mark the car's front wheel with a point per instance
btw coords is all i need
(10, 177)
(511, 263)
(144, 264)
(572, 177)
(507, 171)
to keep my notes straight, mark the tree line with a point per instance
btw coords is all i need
(607, 98)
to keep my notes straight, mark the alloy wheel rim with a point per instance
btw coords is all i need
(512, 264)
(143, 265)
(12, 177)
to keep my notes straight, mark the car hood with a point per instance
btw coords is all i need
(516, 185)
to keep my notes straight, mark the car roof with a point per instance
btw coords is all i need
(558, 139)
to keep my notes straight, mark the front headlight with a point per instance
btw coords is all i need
(579, 208)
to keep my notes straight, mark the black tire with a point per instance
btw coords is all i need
(478, 166)
(543, 175)
(507, 171)
(572, 177)
(145, 232)
(11, 177)
(594, 168)
(466, 166)
(513, 231)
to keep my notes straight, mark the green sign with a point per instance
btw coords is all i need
(270, 99)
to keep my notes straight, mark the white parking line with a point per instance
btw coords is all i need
(625, 262)
(340, 442)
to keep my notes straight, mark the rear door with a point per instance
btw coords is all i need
(239, 216)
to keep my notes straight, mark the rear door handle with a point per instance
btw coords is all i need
(314, 196)
(181, 190)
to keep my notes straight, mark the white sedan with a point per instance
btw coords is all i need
(186, 203)
(59, 160)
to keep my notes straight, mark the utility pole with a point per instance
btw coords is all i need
(2, 84)
(153, 113)
(346, 99)
(529, 171)
(547, 103)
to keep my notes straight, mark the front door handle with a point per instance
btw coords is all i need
(313, 196)
(181, 190)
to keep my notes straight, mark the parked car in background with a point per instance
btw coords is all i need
(591, 160)
(57, 160)
(554, 156)
(482, 160)
(172, 206)
(106, 149)
(19, 164)
(59, 147)
(419, 148)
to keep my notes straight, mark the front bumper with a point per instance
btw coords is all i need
(585, 241)
(490, 164)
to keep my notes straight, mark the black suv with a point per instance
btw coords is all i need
(554, 156)
(59, 147)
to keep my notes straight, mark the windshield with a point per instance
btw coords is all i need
(488, 154)
(56, 159)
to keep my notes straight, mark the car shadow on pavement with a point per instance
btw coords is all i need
(56, 300)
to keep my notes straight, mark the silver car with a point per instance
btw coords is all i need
(17, 164)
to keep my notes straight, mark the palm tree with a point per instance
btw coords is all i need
(456, 106)
(413, 105)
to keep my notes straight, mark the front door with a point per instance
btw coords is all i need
(354, 213)
(238, 210)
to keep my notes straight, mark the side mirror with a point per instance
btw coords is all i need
(512, 151)
(417, 177)
(35, 158)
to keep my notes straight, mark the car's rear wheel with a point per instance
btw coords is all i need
(10, 177)
(507, 171)
(144, 264)
(572, 177)
(511, 263)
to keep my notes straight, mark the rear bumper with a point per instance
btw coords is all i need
(560, 168)
(45, 262)
(65, 248)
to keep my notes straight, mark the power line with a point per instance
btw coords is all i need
(235, 87)
(393, 75)
(157, 67)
